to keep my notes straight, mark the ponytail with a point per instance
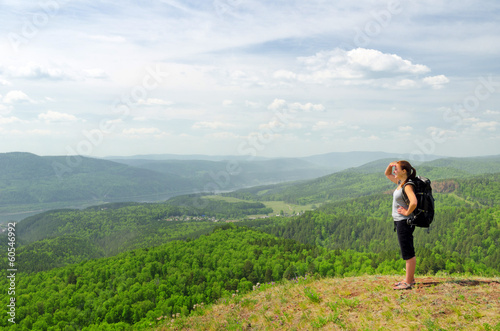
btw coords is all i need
(412, 173)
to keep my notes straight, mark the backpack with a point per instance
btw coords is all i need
(423, 215)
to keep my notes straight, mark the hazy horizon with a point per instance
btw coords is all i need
(417, 156)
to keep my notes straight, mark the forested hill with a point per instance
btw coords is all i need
(28, 179)
(136, 288)
(366, 180)
(56, 238)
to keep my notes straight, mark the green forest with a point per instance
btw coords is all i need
(139, 286)
(124, 265)
(56, 238)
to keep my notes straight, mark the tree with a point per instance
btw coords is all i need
(247, 268)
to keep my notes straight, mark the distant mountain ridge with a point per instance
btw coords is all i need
(30, 183)
(184, 157)
(346, 160)
(340, 160)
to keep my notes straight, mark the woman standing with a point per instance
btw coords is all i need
(399, 173)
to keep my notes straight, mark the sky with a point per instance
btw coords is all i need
(252, 78)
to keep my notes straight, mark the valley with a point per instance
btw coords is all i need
(39, 183)
(123, 265)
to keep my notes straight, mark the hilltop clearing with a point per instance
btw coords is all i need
(354, 303)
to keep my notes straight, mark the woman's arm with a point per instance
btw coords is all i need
(388, 173)
(410, 193)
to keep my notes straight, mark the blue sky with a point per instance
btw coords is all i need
(248, 77)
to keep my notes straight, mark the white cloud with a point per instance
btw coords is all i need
(251, 104)
(355, 64)
(162, 135)
(247, 77)
(277, 104)
(9, 120)
(294, 125)
(29, 133)
(273, 125)
(284, 74)
(113, 122)
(107, 39)
(334, 125)
(4, 82)
(478, 125)
(153, 102)
(33, 70)
(374, 60)
(308, 107)
(489, 126)
(57, 117)
(436, 82)
(40, 132)
(95, 73)
(295, 106)
(223, 135)
(16, 97)
(141, 131)
(36, 71)
(5, 109)
(470, 120)
(405, 128)
(492, 112)
(211, 125)
(320, 125)
(406, 83)
(442, 134)
(227, 103)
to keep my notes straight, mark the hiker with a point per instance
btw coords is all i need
(399, 173)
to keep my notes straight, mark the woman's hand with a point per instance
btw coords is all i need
(403, 211)
(389, 172)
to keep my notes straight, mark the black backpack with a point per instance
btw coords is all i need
(423, 215)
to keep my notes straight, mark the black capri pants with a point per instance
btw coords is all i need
(405, 238)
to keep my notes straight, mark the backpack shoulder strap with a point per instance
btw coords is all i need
(405, 197)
